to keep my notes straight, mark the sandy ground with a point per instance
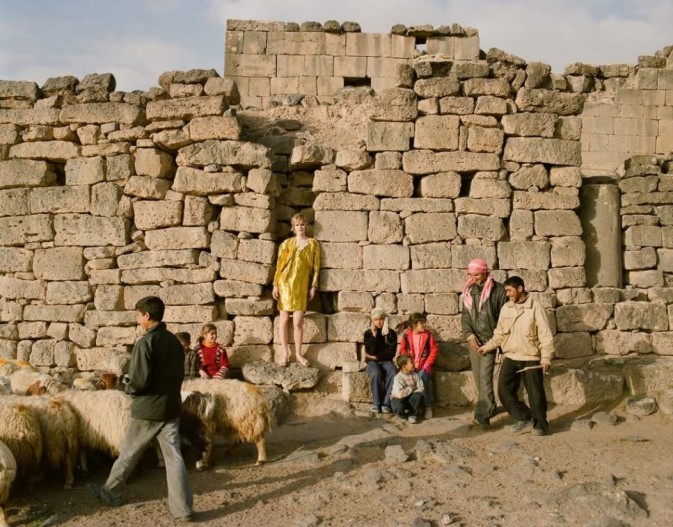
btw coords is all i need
(334, 471)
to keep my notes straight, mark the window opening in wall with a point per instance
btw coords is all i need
(465, 182)
(356, 82)
(421, 45)
(59, 170)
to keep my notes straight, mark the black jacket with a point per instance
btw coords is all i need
(482, 323)
(383, 348)
(155, 375)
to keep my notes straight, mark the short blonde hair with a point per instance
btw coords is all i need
(299, 217)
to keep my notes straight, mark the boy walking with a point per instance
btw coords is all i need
(408, 392)
(524, 335)
(155, 378)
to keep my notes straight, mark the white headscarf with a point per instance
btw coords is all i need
(380, 313)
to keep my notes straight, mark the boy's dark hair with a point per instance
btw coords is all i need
(515, 281)
(415, 318)
(153, 306)
(401, 360)
(184, 337)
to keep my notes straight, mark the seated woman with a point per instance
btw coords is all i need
(380, 347)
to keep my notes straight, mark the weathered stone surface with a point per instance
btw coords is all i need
(221, 127)
(437, 132)
(645, 377)
(384, 135)
(236, 153)
(156, 214)
(13, 288)
(551, 102)
(153, 163)
(30, 116)
(184, 314)
(344, 201)
(614, 342)
(90, 231)
(584, 317)
(68, 313)
(455, 388)
(428, 162)
(59, 199)
(292, 378)
(177, 238)
(496, 87)
(245, 271)
(200, 183)
(524, 255)
(480, 227)
(25, 173)
(441, 185)
(15, 260)
(447, 328)
(529, 124)
(113, 336)
(59, 263)
(260, 251)
(570, 345)
(436, 87)
(359, 280)
(431, 256)
(567, 277)
(433, 281)
(430, 227)
(583, 387)
(347, 327)
(352, 159)
(18, 230)
(68, 292)
(643, 236)
(59, 151)
(315, 329)
(252, 330)
(15, 202)
(500, 208)
(246, 219)
(530, 176)
(662, 343)
(356, 302)
(481, 139)
(408, 205)
(641, 315)
(567, 251)
(389, 183)
(101, 113)
(186, 108)
(169, 258)
(341, 226)
(539, 150)
(340, 255)
(385, 257)
(544, 200)
(394, 104)
(557, 223)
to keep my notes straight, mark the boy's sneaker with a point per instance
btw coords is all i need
(386, 410)
(374, 409)
(520, 427)
(413, 420)
(428, 412)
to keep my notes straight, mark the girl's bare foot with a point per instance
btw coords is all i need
(283, 359)
(303, 361)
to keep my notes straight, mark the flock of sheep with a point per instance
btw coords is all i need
(46, 423)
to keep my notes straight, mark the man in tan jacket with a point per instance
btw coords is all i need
(524, 335)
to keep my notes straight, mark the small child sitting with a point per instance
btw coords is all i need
(191, 357)
(408, 391)
(213, 358)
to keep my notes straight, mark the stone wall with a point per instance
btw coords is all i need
(106, 197)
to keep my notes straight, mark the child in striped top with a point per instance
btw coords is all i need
(407, 394)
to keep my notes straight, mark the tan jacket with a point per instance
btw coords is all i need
(523, 332)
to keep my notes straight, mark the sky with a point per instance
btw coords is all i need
(137, 40)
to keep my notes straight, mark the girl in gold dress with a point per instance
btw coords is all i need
(297, 268)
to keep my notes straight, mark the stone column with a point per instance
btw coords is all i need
(601, 225)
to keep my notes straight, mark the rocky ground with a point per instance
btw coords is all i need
(379, 471)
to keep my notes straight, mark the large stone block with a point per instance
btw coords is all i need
(245, 271)
(59, 263)
(147, 187)
(544, 200)
(583, 317)
(235, 288)
(340, 255)
(385, 227)
(394, 257)
(539, 150)
(662, 343)
(500, 208)
(567, 277)
(177, 238)
(385, 135)
(489, 187)
(481, 139)
(344, 201)
(481, 227)
(246, 219)
(530, 176)
(496, 87)
(220, 127)
(446, 328)
(15, 260)
(524, 255)
(13, 288)
(153, 162)
(347, 327)
(19, 230)
(359, 280)
(437, 132)
(185, 294)
(615, 342)
(641, 315)
(455, 389)
(260, 251)
(337, 226)
(68, 292)
(557, 223)
(646, 377)
(201, 183)
(252, 330)
(105, 199)
(30, 116)
(430, 227)
(186, 108)
(393, 104)
(63, 313)
(101, 113)
(90, 231)
(59, 151)
(409, 205)
(389, 183)
(25, 173)
(15, 202)
(354, 301)
(549, 102)
(433, 281)
(156, 214)
(643, 236)
(59, 199)
(571, 345)
(431, 256)
(164, 274)
(170, 258)
(428, 162)
(113, 336)
(235, 153)
(583, 387)
(441, 185)
(529, 124)
(567, 251)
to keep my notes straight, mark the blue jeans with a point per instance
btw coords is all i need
(411, 404)
(427, 387)
(138, 436)
(381, 376)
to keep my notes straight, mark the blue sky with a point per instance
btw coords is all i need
(137, 40)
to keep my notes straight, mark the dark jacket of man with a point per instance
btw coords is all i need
(482, 322)
(155, 375)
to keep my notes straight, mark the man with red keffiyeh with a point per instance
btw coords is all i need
(481, 302)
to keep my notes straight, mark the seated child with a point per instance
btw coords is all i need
(407, 395)
(380, 347)
(191, 357)
(213, 359)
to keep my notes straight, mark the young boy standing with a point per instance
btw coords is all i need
(408, 391)
(155, 378)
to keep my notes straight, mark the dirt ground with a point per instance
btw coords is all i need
(336, 471)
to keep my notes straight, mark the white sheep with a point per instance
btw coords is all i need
(102, 419)
(58, 426)
(20, 431)
(241, 412)
(23, 381)
(7, 476)
(8, 366)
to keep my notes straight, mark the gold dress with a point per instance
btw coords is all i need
(295, 269)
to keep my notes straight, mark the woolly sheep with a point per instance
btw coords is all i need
(21, 380)
(58, 426)
(241, 412)
(7, 366)
(20, 431)
(7, 475)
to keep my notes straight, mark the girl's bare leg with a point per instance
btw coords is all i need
(298, 324)
(284, 337)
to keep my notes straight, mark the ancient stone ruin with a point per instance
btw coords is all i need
(414, 152)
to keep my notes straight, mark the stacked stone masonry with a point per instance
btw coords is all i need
(107, 197)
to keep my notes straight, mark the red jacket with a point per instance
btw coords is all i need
(424, 358)
(214, 361)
